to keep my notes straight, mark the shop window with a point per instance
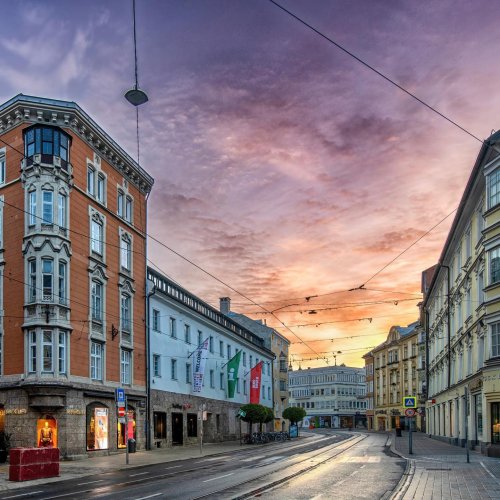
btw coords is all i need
(97, 427)
(46, 431)
(130, 434)
(192, 422)
(495, 423)
(160, 425)
(2, 418)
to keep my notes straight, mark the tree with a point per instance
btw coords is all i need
(254, 413)
(294, 414)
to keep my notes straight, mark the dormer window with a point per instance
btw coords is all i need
(48, 141)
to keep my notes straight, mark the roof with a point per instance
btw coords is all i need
(75, 118)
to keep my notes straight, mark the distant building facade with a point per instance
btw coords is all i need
(333, 396)
(395, 377)
(179, 322)
(370, 391)
(279, 345)
(72, 276)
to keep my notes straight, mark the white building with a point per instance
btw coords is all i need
(178, 323)
(333, 396)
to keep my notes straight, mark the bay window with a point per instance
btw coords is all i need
(47, 279)
(47, 207)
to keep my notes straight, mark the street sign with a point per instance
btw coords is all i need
(242, 413)
(121, 420)
(120, 396)
(410, 412)
(409, 402)
(121, 411)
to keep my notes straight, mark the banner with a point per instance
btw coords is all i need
(233, 366)
(255, 380)
(200, 358)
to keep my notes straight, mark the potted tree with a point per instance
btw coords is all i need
(4, 446)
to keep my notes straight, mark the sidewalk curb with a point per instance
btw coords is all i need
(407, 477)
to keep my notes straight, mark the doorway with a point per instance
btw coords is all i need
(177, 428)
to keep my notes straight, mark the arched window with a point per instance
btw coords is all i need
(97, 427)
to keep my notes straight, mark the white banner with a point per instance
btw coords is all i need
(200, 358)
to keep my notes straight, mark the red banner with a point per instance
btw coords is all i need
(255, 379)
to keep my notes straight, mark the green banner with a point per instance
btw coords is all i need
(233, 366)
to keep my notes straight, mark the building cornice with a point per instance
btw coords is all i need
(68, 115)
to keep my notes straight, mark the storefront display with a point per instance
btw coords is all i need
(97, 428)
(122, 439)
(46, 431)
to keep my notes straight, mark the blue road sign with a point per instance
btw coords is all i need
(120, 396)
(409, 402)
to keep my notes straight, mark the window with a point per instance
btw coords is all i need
(62, 283)
(173, 369)
(62, 352)
(221, 348)
(125, 312)
(32, 208)
(172, 327)
(90, 180)
(495, 265)
(125, 367)
(96, 237)
(47, 279)
(269, 393)
(96, 360)
(244, 358)
(156, 320)
(97, 301)
(47, 141)
(32, 280)
(187, 334)
(124, 206)
(125, 252)
(188, 373)
(2, 166)
(212, 379)
(47, 207)
(156, 365)
(244, 387)
(494, 188)
(101, 183)
(495, 339)
(251, 359)
(228, 351)
(47, 352)
(211, 344)
(200, 338)
(61, 210)
(221, 380)
(32, 352)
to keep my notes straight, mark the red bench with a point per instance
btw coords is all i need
(33, 463)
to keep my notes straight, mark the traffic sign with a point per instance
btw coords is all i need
(410, 412)
(121, 411)
(120, 396)
(409, 402)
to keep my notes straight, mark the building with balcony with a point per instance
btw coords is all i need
(462, 306)
(333, 396)
(72, 275)
(279, 345)
(395, 377)
(180, 322)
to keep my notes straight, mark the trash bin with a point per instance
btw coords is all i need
(131, 445)
(398, 432)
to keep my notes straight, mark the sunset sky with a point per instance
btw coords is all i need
(282, 166)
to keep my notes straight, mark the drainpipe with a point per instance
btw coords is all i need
(449, 325)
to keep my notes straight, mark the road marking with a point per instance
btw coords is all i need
(149, 496)
(492, 475)
(90, 482)
(24, 494)
(139, 474)
(173, 467)
(218, 477)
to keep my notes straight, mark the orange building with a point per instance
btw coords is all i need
(73, 266)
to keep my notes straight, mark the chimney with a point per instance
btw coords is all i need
(225, 305)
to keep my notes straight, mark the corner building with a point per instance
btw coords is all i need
(73, 272)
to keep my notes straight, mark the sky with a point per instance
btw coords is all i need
(282, 166)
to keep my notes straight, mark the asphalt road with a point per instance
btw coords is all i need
(232, 475)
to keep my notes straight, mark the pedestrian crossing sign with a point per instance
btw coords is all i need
(409, 402)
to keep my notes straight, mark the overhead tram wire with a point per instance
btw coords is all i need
(379, 73)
